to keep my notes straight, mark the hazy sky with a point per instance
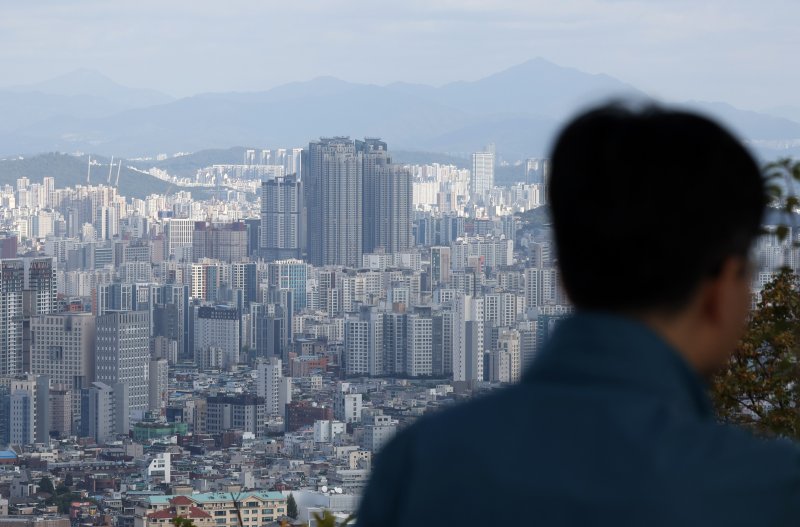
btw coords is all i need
(738, 51)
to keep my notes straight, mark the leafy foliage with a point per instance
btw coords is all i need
(179, 521)
(291, 507)
(758, 388)
(782, 179)
(327, 519)
(46, 485)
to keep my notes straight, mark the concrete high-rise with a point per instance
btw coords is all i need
(419, 346)
(282, 225)
(440, 267)
(40, 280)
(273, 386)
(333, 191)
(227, 243)
(387, 199)
(159, 385)
(123, 355)
(482, 175)
(363, 343)
(216, 331)
(179, 239)
(104, 410)
(25, 409)
(12, 281)
(290, 274)
(393, 212)
(374, 158)
(63, 348)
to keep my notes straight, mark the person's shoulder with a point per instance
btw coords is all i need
(491, 405)
(488, 410)
(749, 458)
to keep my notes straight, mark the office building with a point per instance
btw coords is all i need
(104, 411)
(246, 413)
(216, 329)
(226, 242)
(290, 274)
(63, 348)
(123, 356)
(179, 239)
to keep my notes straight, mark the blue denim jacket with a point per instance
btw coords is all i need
(609, 426)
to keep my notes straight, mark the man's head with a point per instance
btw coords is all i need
(654, 212)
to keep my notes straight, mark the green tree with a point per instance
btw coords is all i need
(291, 507)
(758, 388)
(178, 521)
(327, 519)
(46, 485)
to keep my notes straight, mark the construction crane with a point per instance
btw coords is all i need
(110, 168)
(119, 167)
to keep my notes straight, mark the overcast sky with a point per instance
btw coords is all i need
(738, 51)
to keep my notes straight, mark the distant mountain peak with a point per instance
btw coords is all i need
(88, 82)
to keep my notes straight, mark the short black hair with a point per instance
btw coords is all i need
(646, 203)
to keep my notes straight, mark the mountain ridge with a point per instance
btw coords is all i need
(518, 108)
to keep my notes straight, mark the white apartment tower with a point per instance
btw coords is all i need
(482, 176)
(273, 386)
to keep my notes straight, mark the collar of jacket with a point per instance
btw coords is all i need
(600, 349)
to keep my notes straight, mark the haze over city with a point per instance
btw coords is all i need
(734, 51)
(273, 264)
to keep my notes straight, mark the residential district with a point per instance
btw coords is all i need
(238, 357)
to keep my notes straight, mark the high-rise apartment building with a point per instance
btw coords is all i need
(40, 280)
(123, 355)
(387, 199)
(374, 158)
(282, 225)
(273, 386)
(363, 343)
(393, 214)
(333, 190)
(419, 346)
(159, 385)
(12, 282)
(440, 267)
(482, 175)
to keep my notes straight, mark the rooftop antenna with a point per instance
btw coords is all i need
(110, 168)
(89, 171)
(119, 167)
